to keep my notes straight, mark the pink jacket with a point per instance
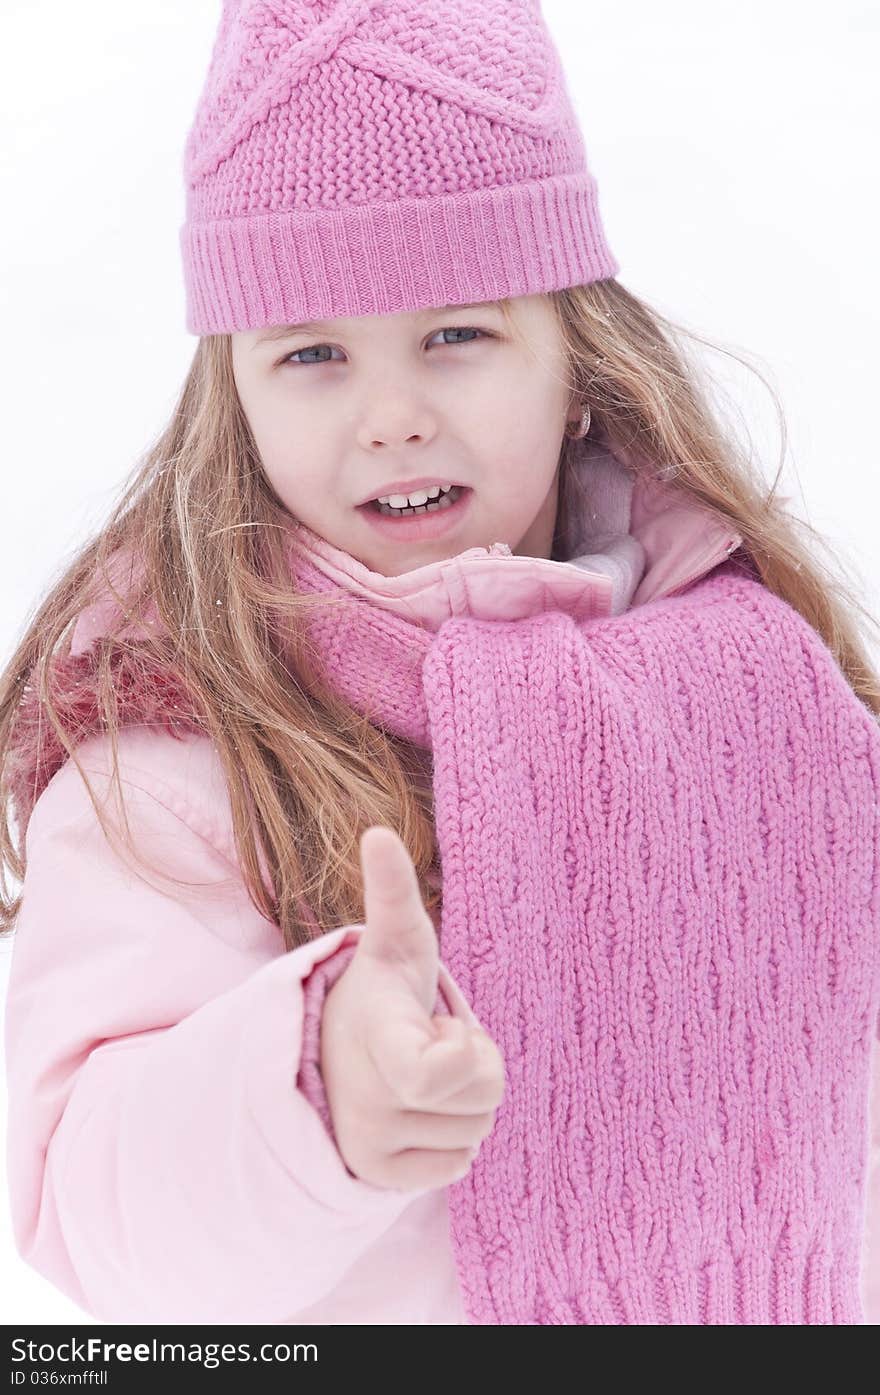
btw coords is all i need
(167, 1106)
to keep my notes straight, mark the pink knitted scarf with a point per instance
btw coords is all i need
(661, 897)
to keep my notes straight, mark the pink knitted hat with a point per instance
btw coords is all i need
(356, 157)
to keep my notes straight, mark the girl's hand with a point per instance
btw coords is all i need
(411, 1095)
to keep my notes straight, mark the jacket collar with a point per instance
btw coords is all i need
(640, 540)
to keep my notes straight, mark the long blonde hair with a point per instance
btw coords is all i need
(307, 774)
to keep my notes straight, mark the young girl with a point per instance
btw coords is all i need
(484, 928)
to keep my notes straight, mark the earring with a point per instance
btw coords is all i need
(582, 429)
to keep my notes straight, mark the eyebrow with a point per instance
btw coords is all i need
(285, 331)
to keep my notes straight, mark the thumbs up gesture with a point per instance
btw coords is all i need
(411, 1095)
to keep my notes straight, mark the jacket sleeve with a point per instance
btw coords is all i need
(170, 1154)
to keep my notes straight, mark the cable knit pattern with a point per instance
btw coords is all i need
(353, 157)
(659, 836)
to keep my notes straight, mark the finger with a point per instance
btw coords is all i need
(425, 1169)
(422, 1128)
(441, 1070)
(398, 927)
(484, 1090)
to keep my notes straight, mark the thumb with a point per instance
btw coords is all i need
(399, 932)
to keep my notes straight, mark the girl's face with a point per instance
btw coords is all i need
(343, 409)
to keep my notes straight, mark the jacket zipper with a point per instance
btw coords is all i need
(730, 545)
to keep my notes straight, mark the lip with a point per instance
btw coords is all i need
(422, 526)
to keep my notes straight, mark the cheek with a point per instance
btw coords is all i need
(276, 444)
(294, 485)
(528, 424)
(528, 459)
(282, 449)
(292, 453)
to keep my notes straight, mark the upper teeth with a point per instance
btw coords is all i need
(403, 501)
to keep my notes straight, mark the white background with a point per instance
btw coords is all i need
(735, 149)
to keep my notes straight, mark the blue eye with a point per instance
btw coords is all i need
(310, 350)
(452, 329)
(463, 329)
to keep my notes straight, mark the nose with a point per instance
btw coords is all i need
(393, 428)
(389, 440)
(393, 417)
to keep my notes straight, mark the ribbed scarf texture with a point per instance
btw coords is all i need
(661, 897)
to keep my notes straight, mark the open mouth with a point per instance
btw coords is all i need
(426, 521)
(444, 500)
